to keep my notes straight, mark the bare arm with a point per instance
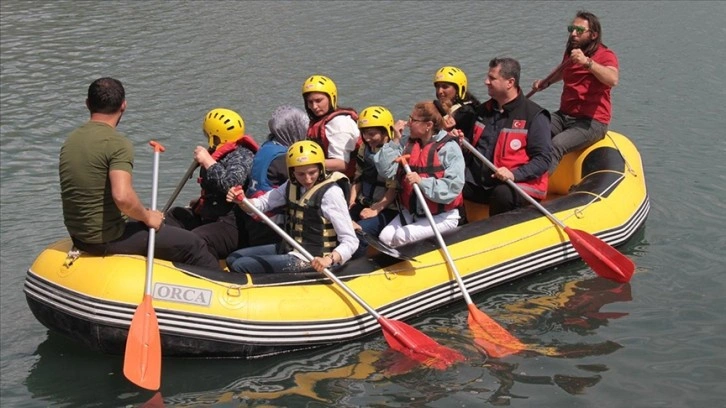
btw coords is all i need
(354, 190)
(553, 78)
(128, 202)
(386, 200)
(607, 75)
(334, 165)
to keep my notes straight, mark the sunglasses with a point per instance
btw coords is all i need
(412, 119)
(579, 29)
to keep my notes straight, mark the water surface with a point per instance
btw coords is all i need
(658, 341)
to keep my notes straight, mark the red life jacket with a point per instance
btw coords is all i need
(316, 132)
(218, 154)
(510, 151)
(425, 161)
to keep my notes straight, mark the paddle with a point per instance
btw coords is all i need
(142, 360)
(181, 184)
(382, 247)
(488, 334)
(399, 335)
(605, 260)
(549, 78)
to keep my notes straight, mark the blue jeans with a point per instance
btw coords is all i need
(570, 134)
(265, 259)
(371, 226)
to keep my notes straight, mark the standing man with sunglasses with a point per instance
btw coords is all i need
(589, 70)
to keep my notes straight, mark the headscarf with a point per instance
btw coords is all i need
(288, 125)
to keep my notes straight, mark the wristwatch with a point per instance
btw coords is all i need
(588, 64)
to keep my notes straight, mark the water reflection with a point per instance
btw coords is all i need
(67, 375)
(569, 306)
(553, 316)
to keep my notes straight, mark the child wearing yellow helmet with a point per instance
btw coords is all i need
(373, 197)
(332, 126)
(455, 100)
(317, 217)
(224, 163)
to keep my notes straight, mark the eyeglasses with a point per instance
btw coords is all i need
(412, 119)
(579, 29)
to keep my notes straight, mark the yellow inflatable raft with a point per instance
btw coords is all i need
(204, 313)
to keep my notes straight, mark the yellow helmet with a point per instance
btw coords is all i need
(320, 83)
(376, 116)
(454, 76)
(223, 125)
(303, 153)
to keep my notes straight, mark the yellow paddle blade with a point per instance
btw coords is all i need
(142, 360)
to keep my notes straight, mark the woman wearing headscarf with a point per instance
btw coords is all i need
(269, 170)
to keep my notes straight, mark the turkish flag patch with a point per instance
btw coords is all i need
(519, 124)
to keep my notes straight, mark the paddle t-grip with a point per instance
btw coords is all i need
(158, 147)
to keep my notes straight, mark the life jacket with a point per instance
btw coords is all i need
(425, 161)
(316, 132)
(510, 150)
(305, 221)
(258, 182)
(211, 206)
(373, 186)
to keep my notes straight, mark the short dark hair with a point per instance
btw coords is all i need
(508, 68)
(105, 95)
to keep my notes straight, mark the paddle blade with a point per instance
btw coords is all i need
(418, 346)
(494, 339)
(605, 260)
(383, 248)
(157, 401)
(142, 360)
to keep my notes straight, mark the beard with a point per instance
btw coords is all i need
(584, 44)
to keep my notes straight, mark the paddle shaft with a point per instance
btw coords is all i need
(549, 78)
(152, 232)
(310, 257)
(180, 186)
(142, 357)
(518, 189)
(439, 238)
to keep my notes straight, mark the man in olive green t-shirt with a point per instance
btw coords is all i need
(95, 169)
(90, 213)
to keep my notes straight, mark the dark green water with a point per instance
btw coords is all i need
(658, 341)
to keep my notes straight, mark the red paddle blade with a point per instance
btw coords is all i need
(157, 401)
(418, 346)
(494, 339)
(142, 360)
(605, 260)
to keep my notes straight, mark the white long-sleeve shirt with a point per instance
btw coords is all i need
(333, 206)
(343, 133)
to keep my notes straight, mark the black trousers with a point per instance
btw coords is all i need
(501, 198)
(227, 233)
(171, 243)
